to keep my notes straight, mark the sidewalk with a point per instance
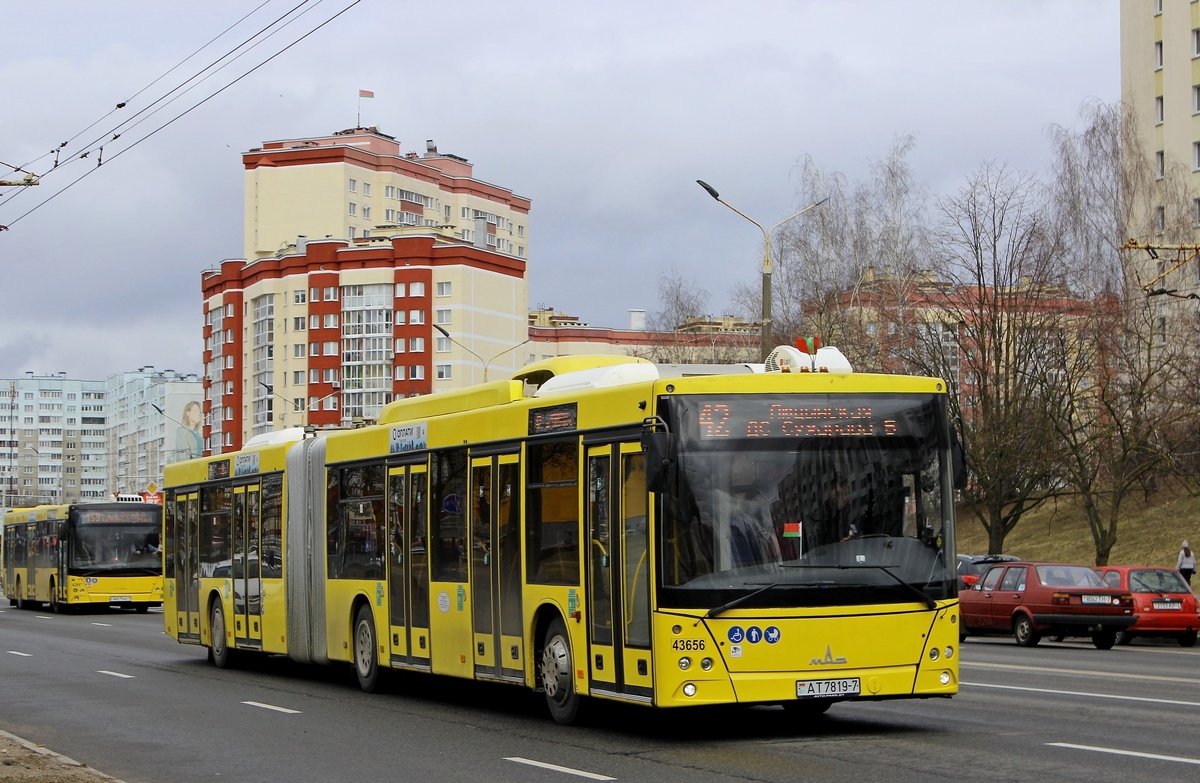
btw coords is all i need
(21, 761)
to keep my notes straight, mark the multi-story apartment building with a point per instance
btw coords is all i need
(1160, 82)
(154, 418)
(330, 331)
(53, 440)
(357, 184)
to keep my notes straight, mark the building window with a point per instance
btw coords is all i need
(416, 289)
(1158, 7)
(416, 372)
(443, 372)
(1158, 55)
(441, 315)
(1196, 155)
(331, 348)
(314, 349)
(297, 403)
(1160, 218)
(366, 213)
(443, 289)
(228, 362)
(298, 351)
(416, 316)
(314, 375)
(229, 387)
(399, 318)
(330, 375)
(416, 345)
(466, 212)
(330, 293)
(352, 232)
(389, 191)
(353, 185)
(400, 373)
(1196, 215)
(443, 343)
(520, 251)
(297, 377)
(353, 209)
(1160, 164)
(400, 345)
(520, 231)
(366, 188)
(1196, 99)
(331, 320)
(314, 321)
(299, 297)
(298, 323)
(400, 288)
(1158, 109)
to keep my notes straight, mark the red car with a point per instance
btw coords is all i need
(1031, 600)
(1164, 603)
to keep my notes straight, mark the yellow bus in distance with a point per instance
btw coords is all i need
(83, 554)
(596, 527)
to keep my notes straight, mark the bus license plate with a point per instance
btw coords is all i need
(116, 599)
(1168, 605)
(824, 689)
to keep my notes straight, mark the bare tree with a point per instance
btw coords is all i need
(686, 334)
(996, 250)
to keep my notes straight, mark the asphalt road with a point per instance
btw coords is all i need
(113, 691)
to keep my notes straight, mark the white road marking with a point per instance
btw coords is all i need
(1085, 672)
(115, 674)
(271, 707)
(1156, 756)
(556, 768)
(43, 617)
(108, 625)
(1084, 694)
(23, 655)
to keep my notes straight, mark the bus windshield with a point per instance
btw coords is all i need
(106, 541)
(815, 501)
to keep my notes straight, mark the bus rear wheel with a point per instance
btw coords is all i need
(555, 674)
(219, 653)
(366, 662)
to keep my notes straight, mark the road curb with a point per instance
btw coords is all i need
(44, 751)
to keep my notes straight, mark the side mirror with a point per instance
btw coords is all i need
(657, 445)
(958, 461)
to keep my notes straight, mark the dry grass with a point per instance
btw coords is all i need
(1147, 534)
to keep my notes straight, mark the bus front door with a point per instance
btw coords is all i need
(617, 585)
(496, 567)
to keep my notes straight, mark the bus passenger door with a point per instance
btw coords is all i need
(254, 563)
(397, 563)
(247, 596)
(237, 571)
(63, 549)
(187, 576)
(496, 567)
(418, 568)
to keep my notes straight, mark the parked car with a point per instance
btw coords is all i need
(1164, 603)
(971, 567)
(1031, 600)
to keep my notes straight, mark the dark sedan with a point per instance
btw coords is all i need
(1031, 600)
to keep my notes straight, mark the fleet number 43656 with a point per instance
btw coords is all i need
(688, 644)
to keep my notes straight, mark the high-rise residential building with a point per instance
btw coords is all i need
(369, 274)
(328, 332)
(155, 417)
(53, 440)
(1160, 81)
(357, 184)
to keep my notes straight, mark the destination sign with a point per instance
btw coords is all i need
(770, 416)
(557, 418)
(116, 517)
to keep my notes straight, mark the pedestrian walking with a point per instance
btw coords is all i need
(1186, 563)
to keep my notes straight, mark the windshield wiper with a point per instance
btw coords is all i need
(716, 610)
(925, 599)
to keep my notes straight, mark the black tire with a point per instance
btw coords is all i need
(1024, 633)
(1187, 639)
(21, 602)
(142, 608)
(220, 654)
(556, 674)
(1124, 638)
(366, 662)
(1058, 637)
(55, 607)
(1104, 640)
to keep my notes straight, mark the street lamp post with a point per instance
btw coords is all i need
(765, 347)
(485, 362)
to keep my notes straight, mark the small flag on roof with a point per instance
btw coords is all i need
(791, 529)
(366, 94)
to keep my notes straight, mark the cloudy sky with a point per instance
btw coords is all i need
(603, 114)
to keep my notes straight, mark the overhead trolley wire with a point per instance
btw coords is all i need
(126, 124)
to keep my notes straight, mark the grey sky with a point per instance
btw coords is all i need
(604, 116)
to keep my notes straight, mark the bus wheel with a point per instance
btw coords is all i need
(219, 653)
(142, 608)
(555, 673)
(366, 662)
(21, 602)
(55, 607)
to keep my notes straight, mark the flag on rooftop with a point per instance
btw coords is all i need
(366, 94)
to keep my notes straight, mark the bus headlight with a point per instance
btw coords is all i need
(685, 663)
(933, 653)
(949, 652)
(706, 664)
(945, 678)
(689, 690)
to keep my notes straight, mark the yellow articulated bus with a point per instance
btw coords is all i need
(85, 554)
(596, 527)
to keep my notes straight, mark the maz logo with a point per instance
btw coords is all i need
(828, 660)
